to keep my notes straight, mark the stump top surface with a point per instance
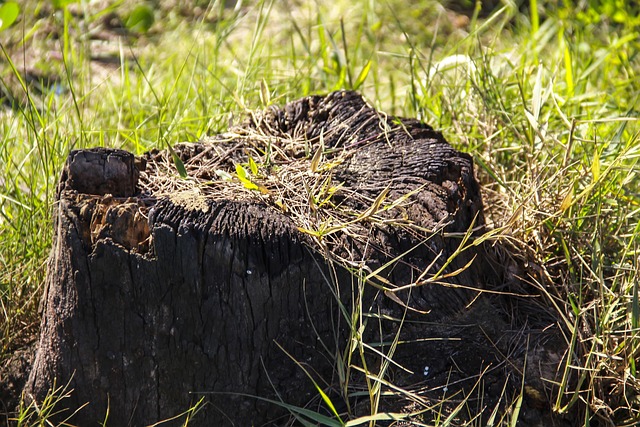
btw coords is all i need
(332, 165)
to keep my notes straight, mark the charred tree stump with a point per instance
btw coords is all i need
(163, 291)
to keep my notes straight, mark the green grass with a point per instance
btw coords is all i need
(546, 102)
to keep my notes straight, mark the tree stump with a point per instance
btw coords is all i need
(230, 287)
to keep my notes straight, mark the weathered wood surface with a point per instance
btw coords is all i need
(153, 302)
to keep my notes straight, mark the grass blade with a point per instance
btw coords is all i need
(362, 76)
(177, 161)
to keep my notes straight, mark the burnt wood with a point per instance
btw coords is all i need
(153, 303)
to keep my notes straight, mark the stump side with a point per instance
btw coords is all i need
(202, 314)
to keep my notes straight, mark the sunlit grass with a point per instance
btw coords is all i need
(547, 106)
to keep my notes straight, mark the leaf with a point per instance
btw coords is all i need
(265, 94)
(595, 165)
(362, 76)
(315, 161)
(140, 19)
(397, 300)
(310, 232)
(224, 175)
(514, 217)
(568, 199)
(317, 156)
(243, 176)
(516, 412)
(536, 101)
(567, 65)
(375, 207)
(8, 14)
(297, 411)
(532, 119)
(384, 416)
(635, 307)
(253, 166)
(241, 172)
(574, 304)
(177, 161)
(324, 396)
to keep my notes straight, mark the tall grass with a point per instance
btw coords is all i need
(545, 99)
